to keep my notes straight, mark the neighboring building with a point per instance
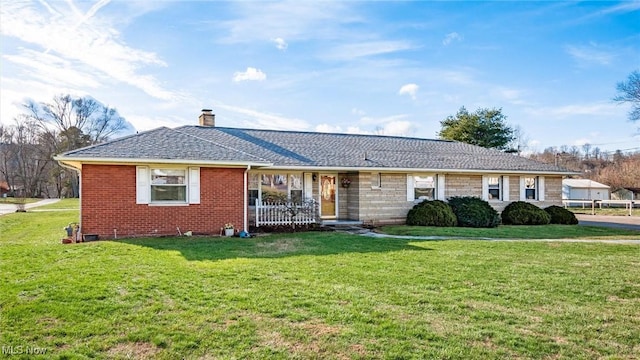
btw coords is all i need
(584, 189)
(626, 194)
(200, 177)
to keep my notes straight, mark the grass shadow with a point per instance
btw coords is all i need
(274, 246)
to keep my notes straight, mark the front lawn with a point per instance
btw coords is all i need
(516, 232)
(313, 295)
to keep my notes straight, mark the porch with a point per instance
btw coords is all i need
(288, 213)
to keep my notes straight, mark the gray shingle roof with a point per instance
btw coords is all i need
(307, 149)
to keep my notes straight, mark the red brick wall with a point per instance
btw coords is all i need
(108, 202)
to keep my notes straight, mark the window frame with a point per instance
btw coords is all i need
(191, 183)
(376, 180)
(500, 188)
(290, 186)
(539, 188)
(185, 185)
(437, 179)
(535, 188)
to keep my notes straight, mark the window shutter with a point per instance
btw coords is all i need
(440, 187)
(410, 193)
(523, 195)
(308, 186)
(194, 185)
(505, 188)
(143, 189)
(485, 187)
(541, 188)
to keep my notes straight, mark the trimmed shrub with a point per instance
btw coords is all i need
(431, 213)
(474, 212)
(560, 215)
(524, 213)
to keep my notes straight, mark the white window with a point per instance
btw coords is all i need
(425, 187)
(532, 188)
(273, 187)
(376, 180)
(167, 185)
(495, 188)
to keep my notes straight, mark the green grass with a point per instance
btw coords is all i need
(313, 295)
(516, 232)
(65, 204)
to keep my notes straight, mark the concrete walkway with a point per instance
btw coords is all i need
(11, 208)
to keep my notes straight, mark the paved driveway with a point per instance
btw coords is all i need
(11, 208)
(620, 222)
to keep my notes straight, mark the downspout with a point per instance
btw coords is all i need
(246, 193)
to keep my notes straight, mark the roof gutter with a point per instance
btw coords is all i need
(390, 169)
(77, 162)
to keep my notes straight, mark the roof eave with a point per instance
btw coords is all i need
(400, 169)
(76, 162)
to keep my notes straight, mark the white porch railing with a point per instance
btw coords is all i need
(285, 213)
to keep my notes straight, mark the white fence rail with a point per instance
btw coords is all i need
(628, 204)
(285, 213)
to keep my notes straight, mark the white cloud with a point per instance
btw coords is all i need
(261, 120)
(81, 38)
(364, 49)
(385, 126)
(607, 109)
(251, 74)
(328, 128)
(586, 55)
(450, 37)
(510, 95)
(409, 89)
(297, 20)
(280, 43)
(359, 112)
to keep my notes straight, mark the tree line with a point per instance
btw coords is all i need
(43, 130)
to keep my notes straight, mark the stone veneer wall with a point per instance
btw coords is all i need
(384, 205)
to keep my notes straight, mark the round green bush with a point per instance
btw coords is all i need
(431, 213)
(560, 215)
(474, 212)
(524, 213)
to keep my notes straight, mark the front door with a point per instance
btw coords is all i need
(328, 203)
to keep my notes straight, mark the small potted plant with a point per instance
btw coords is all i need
(346, 182)
(228, 229)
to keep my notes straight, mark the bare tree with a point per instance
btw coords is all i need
(86, 115)
(68, 123)
(520, 141)
(587, 150)
(629, 92)
(24, 161)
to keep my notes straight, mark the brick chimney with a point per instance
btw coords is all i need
(207, 118)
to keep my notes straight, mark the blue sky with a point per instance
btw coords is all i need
(395, 68)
